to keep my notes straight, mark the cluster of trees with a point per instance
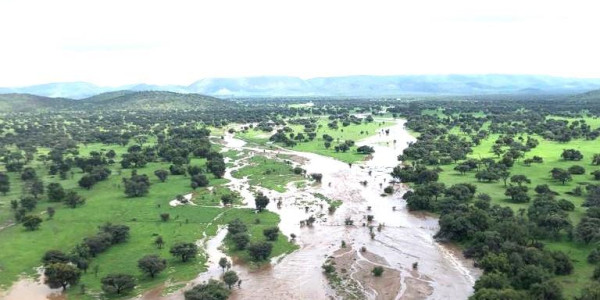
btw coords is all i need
(237, 233)
(507, 245)
(64, 269)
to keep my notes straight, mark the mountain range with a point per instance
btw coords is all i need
(282, 86)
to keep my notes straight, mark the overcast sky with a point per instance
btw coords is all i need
(177, 42)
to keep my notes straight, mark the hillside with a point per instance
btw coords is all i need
(119, 100)
(591, 95)
(153, 100)
(28, 102)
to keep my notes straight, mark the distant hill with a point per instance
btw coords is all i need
(338, 86)
(118, 100)
(28, 102)
(591, 95)
(151, 100)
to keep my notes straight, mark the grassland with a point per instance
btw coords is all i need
(353, 132)
(550, 151)
(106, 202)
(268, 173)
(256, 222)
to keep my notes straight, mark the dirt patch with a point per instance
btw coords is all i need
(417, 287)
(353, 277)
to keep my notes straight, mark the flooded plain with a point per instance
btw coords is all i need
(400, 239)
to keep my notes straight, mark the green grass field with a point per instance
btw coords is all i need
(106, 202)
(353, 132)
(268, 173)
(550, 151)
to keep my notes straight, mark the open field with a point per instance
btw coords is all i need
(354, 132)
(106, 202)
(539, 173)
(268, 173)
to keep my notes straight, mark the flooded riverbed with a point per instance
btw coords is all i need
(404, 239)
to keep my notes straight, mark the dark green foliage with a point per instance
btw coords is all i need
(31, 222)
(162, 175)
(72, 199)
(377, 271)
(271, 233)
(118, 283)
(260, 250)
(54, 256)
(55, 192)
(261, 201)
(137, 185)
(571, 154)
(230, 278)
(185, 251)
(212, 290)
(61, 275)
(152, 264)
(28, 203)
(4, 183)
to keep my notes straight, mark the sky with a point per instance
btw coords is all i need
(121, 42)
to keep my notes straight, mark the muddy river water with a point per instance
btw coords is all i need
(405, 238)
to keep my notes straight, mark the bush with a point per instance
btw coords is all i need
(389, 189)
(577, 170)
(377, 271)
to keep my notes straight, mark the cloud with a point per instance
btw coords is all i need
(177, 42)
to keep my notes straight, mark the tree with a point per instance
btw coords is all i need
(317, 177)
(223, 263)
(50, 211)
(98, 243)
(36, 187)
(152, 264)
(365, 149)
(571, 154)
(216, 165)
(377, 271)
(230, 278)
(588, 230)
(54, 256)
(161, 174)
(159, 242)
(227, 199)
(236, 226)
(561, 175)
(212, 290)
(118, 233)
(199, 180)
(576, 170)
(271, 233)
(240, 240)
(28, 174)
(4, 183)
(137, 185)
(260, 250)
(55, 193)
(261, 201)
(72, 199)
(118, 283)
(32, 222)
(29, 203)
(520, 179)
(61, 275)
(184, 250)
(87, 181)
